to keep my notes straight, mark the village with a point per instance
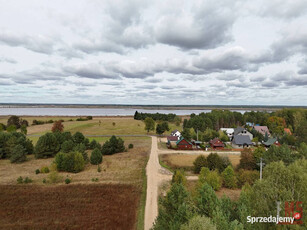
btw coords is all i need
(238, 139)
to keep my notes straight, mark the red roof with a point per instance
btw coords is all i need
(217, 142)
(172, 138)
(262, 129)
(288, 131)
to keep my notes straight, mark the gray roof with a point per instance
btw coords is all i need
(270, 141)
(241, 140)
(238, 130)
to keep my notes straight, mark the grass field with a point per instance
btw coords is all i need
(97, 126)
(69, 207)
(185, 161)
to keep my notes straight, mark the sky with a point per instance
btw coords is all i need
(168, 52)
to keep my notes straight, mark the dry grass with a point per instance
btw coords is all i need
(68, 206)
(186, 161)
(123, 167)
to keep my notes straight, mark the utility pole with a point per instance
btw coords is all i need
(197, 134)
(261, 165)
(278, 209)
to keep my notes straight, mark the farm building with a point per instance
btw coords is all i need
(262, 130)
(242, 132)
(176, 133)
(241, 141)
(216, 143)
(271, 141)
(184, 144)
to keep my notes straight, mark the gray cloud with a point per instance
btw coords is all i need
(8, 60)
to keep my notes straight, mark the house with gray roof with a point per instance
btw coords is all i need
(242, 132)
(241, 141)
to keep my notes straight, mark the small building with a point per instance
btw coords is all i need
(176, 133)
(250, 124)
(171, 141)
(216, 143)
(242, 132)
(262, 130)
(196, 144)
(287, 131)
(271, 141)
(184, 144)
(229, 132)
(241, 141)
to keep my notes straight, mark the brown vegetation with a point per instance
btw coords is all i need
(68, 206)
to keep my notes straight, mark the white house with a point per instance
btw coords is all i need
(176, 133)
(229, 132)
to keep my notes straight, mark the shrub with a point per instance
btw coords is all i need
(46, 146)
(57, 127)
(20, 180)
(89, 118)
(45, 169)
(113, 145)
(130, 146)
(247, 176)
(70, 162)
(98, 168)
(18, 154)
(67, 181)
(96, 157)
(94, 179)
(215, 162)
(179, 178)
(199, 223)
(78, 138)
(214, 180)
(11, 129)
(27, 180)
(37, 171)
(94, 144)
(67, 146)
(14, 120)
(247, 160)
(44, 181)
(199, 162)
(54, 177)
(229, 178)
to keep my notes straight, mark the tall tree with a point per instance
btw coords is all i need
(57, 127)
(149, 124)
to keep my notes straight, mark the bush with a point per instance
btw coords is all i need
(46, 146)
(89, 118)
(94, 144)
(54, 177)
(199, 162)
(247, 160)
(44, 181)
(179, 178)
(199, 223)
(27, 180)
(130, 146)
(67, 146)
(67, 181)
(37, 171)
(20, 180)
(78, 138)
(247, 176)
(214, 180)
(70, 162)
(94, 179)
(96, 157)
(45, 169)
(11, 129)
(98, 168)
(57, 127)
(229, 178)
(14, 120)
(18, 154)
(215, 162)
(113, 145)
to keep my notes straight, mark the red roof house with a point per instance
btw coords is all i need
(216, 143)
(262, 130)
(184, 144)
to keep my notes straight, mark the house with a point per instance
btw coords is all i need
(242, 132)
(184, 144)
(271, 141)
(216, 143)
(176, 133)
(250, 124)
(171, 140)
(229, 132)
(241, 141)
(196, 143)
(262, 130)
(287, 131)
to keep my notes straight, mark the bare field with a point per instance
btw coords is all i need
(68, 206)
(176, 161)
(123, 167)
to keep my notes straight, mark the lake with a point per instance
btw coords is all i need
(38, 111)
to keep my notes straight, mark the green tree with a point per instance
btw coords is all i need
(206, 200)
(18, 154)
(199, 162)
(23, 129)
(215, 162)
(214, 180)
(67, 146)
(186, 133)
(229, 178)
(96, 157)
(247, 160)
(46, 146)
(179, 178)
(149, 124)
(11, 129)
(174, 209)
(78, 138)
(199, 223)
(113, 145)
(14, 120)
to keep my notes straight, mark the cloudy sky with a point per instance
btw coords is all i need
(154, 52)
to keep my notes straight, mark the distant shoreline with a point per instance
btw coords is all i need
(156, 107)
